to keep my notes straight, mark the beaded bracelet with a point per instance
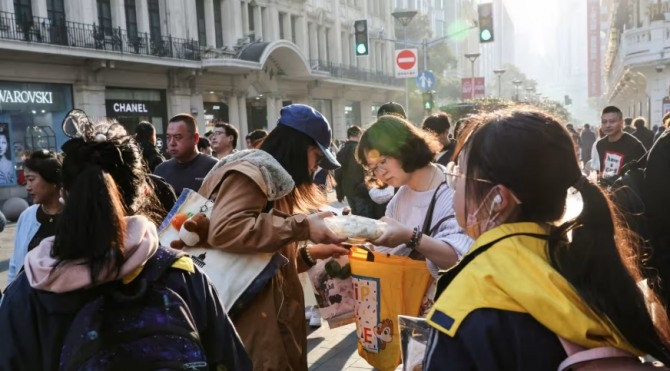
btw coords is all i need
(415, 240)
(306, 257)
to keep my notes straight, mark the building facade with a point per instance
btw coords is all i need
(236, 61)
(636, 62)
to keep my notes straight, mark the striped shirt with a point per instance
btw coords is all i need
(409, 207)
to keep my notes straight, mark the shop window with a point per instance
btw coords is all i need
(202, 29)
(30, 118)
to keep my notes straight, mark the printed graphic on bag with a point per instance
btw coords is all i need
(366, 293)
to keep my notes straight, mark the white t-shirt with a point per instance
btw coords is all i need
(409, 207)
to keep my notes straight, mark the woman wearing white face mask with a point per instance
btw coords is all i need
(526, 295)
(420, 215)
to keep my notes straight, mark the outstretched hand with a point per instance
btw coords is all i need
(319, 231)
(325, 251)
(394, 234)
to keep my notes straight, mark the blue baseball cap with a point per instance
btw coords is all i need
(310, 122)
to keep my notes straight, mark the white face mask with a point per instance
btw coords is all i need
(477, 223)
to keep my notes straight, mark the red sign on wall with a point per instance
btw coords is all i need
(466, 88)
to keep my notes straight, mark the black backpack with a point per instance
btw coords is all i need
(141, 326)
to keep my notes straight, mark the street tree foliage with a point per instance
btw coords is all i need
(488, 104)
(508, 89)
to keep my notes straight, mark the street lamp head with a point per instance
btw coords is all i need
(472, 55)
(499, 71)
(517, 82)
(404, 16)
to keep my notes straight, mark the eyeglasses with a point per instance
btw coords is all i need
(454, 171)
(217, 133)
(380, 167)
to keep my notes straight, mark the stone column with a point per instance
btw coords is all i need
(142, 9)
(242, 104)
(271, 23)
(210, 28)
(301, 35)
(233, 111)
(90, 98)
(271, 104)
(366, 113)
(81, 11)
(118, 13)
(8, 6)
(323, 50)
(286, 29)
(39, 8)
(232, 16)
(313, 41)
(258, 22)
(339, 121)
(346, 58)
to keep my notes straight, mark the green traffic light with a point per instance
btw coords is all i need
(361, 49)
(485, 35)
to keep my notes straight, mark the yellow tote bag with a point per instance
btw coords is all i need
(385, 286)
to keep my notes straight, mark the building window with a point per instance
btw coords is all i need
(200, 13)
(24, 11)
(154, 19)
(57, 29)
(294, 22)
(250, 13)
(131, 18)
(218, 23)
(105, 17)
(282, 34)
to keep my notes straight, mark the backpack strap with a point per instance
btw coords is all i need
(159, 263)
(589, 355)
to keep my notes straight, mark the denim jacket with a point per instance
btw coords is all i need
(26, 228)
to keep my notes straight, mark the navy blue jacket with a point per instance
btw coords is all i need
(33, 323)
(492, 339)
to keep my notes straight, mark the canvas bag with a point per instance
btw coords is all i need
(385, 286)
(238, 278)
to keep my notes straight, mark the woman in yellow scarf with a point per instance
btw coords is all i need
(524, 284)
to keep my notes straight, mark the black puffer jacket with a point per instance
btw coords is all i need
(33, 323)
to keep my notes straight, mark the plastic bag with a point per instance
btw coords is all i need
(356, 227)
(334, 290)
(414, 333)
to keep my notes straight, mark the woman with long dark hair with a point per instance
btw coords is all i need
(531, 283)
(263, 200)
(42, 170)
(106, 238)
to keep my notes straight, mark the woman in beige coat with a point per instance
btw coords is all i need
(262, 203)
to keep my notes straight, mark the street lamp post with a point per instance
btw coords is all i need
(472, 57)
(405, 17)
(517, 83)
(499, 73)
(530, 94)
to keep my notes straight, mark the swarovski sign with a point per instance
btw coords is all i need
(26, 96)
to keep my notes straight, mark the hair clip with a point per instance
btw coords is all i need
(76, 124)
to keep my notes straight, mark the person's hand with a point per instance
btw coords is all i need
(394, 233)
(325, 251)
(319, 231)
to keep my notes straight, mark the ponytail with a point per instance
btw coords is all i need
(92, 226)
(601, 265)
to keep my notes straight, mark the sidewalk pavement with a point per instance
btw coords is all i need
(334, 350)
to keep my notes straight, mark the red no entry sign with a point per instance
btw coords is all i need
(406, 59)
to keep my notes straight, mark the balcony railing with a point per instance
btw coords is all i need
(80, 35)
(354, 73)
